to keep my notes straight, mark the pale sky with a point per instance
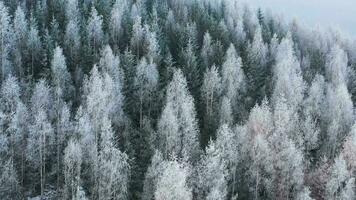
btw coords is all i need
(326, 13)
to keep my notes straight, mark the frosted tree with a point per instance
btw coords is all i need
(101, 97)
(116, 20)
(261, 167)
(311, 134)
(233, 77)
(39, 143)
(168, 132)
(85, 131)
(6, 40)
(94, 30)
(257, 59)
(172, 184)
(33, 45)
(213, 175)
(225, 113)
(190, 66)
(183, 110)
(20, 36)
(63, 128)
(336, 66)
(260, 121)
(42, 98)
(286, 124)
(152, 46)
(340, 184)
(210, 91)
(72, 40)
(207, 50)
(138, 36)
(154, 171)
(315, 100)
(72, 169)
(287, 75)
(349, 150)
(61, 77)
(304, 194)
(113, 171)
(11, 110)
(72, 10)
(288, 178)
(145, 81)
(339, 117)
(109, 65)
(226, 142)
(9, 186)
(18, 128)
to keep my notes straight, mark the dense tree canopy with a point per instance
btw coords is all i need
(170, 100)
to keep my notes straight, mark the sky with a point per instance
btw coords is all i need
(340, 14)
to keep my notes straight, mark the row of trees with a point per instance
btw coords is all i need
(172, 99)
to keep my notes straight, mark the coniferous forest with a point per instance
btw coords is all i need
(172, 100)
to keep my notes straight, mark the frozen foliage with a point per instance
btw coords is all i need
(170, 100)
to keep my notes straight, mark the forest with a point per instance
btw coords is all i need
(173, 100)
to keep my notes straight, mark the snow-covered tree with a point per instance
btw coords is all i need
(61, 78)
(6, 40)
(39, 143)
(109, 65)
(9, 185)
(211, 89)
(288, 80)
(72, 169)
(340, 184)
(154, 171)
(94, 30)
(182, 108)
(116, 20)
(257, 60)
(213, 175)
(189, 66)
(72, 40)
(20, 37)
(233, 77)
(339, 117)
(34, 45)
(349, 150)
(172, 184)
(138, 36)
(210, 92)
(207, 50)
(226, 142)
(225, 113)
(261, 167)
(146, 81)
(336, 66)
(113, 174)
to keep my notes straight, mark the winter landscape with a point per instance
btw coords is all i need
(173, 100)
